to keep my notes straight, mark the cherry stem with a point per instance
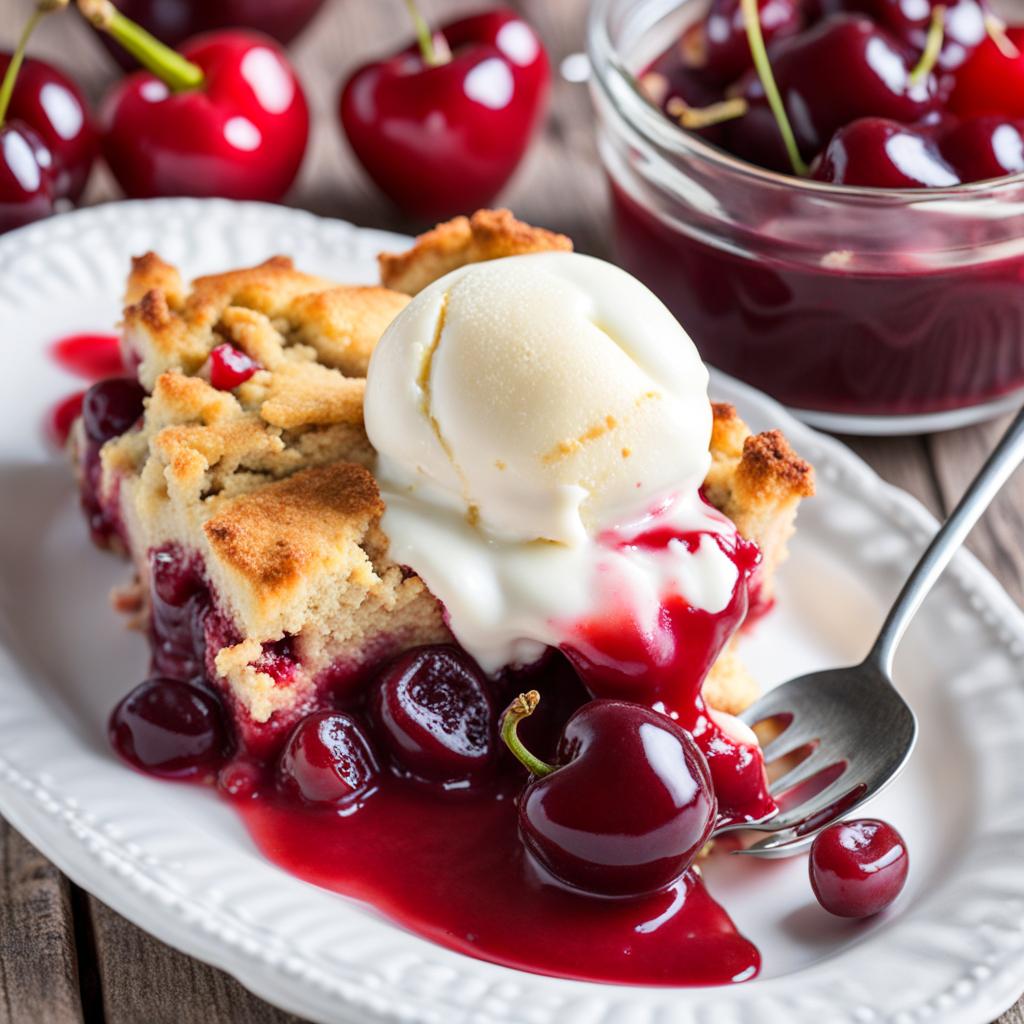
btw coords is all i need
(996, 29)
(168, 65)
(696, 118)
(434, 49)
(759, 53)
(932, 46)
(43, 8)
(522, 707)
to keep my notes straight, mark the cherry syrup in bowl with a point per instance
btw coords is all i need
(866, 310)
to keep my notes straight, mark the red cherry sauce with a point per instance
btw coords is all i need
(89, 356)
(619, 656)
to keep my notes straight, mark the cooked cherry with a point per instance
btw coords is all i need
(169, 728)
(112, 407)
(628, 805)
(991, 81)
(984, 147)
(878, 153)
(328, 760)
(858, 867)
(720, 48)
(230, 366)
(433, 714)
(840, 70)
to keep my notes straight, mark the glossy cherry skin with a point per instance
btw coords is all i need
(840, 70)
(53, 106)
(173, 21)
(230, 366)
(444, 140)
(433, 714)
(27, 190)
(989, 82)
(328, 760)
(858, 868)
(630, 806)
(909, 20)
(241, 135)
(719, 46)
(985, 147)
(112, 407)
(169, 728)
(877, 153)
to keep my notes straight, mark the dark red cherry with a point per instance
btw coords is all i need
(858, 867)
(433, 714)
(27, 191)
(328, 760)
(984, 147)
(840, 70)
(991, 81)
(52, 105)
(910, 20)
(230, 366)
(628, 805)
(112, 407)
(877, 153)
(719, 46)
(169, 728)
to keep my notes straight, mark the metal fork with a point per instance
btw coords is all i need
(860, 729)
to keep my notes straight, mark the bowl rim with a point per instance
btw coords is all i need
(616, 82)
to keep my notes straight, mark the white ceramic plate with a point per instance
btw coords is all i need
(177, 861)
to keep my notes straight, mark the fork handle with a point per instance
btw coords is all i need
(999, 466)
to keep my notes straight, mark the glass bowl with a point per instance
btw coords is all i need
(864, 310)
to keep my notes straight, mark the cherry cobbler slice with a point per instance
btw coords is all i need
(237, 475)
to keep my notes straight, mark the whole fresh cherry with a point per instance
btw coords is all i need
(878, 153)
(53, 106)
(984, 147)
(225, 117)
(842, 69)
(963, 25)
(328, 760)
(111, 407)
(718, 45)
(858, 868)
(433, 714)
(441, 126)
(27, 188)
(991, 80)
(173, 21)
(627, 806)
(169, 728)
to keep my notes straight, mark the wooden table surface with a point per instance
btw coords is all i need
(64, 956)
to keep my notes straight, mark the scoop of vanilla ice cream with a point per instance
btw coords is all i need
(543, 396)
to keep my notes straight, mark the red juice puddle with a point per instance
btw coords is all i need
(91, 356)
(61, 416)
(454, 871)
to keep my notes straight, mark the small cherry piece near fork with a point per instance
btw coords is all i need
(626, 808)
(858, 868)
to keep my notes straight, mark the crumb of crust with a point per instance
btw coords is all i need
(277, 534)
(770, 467)
(487, 235)
(149, 272)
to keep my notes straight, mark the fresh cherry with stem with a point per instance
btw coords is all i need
(224, 117)
(628, 805)
(858, 868)
(991, 80)
(441, 126)
(28, 187)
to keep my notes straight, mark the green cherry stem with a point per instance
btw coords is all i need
(177, 73)
(522, 707)
(43, 8)
(433, 49)
(932, 46)
(759, 53)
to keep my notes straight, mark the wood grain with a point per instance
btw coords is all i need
(64, 956)
(38, 964)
